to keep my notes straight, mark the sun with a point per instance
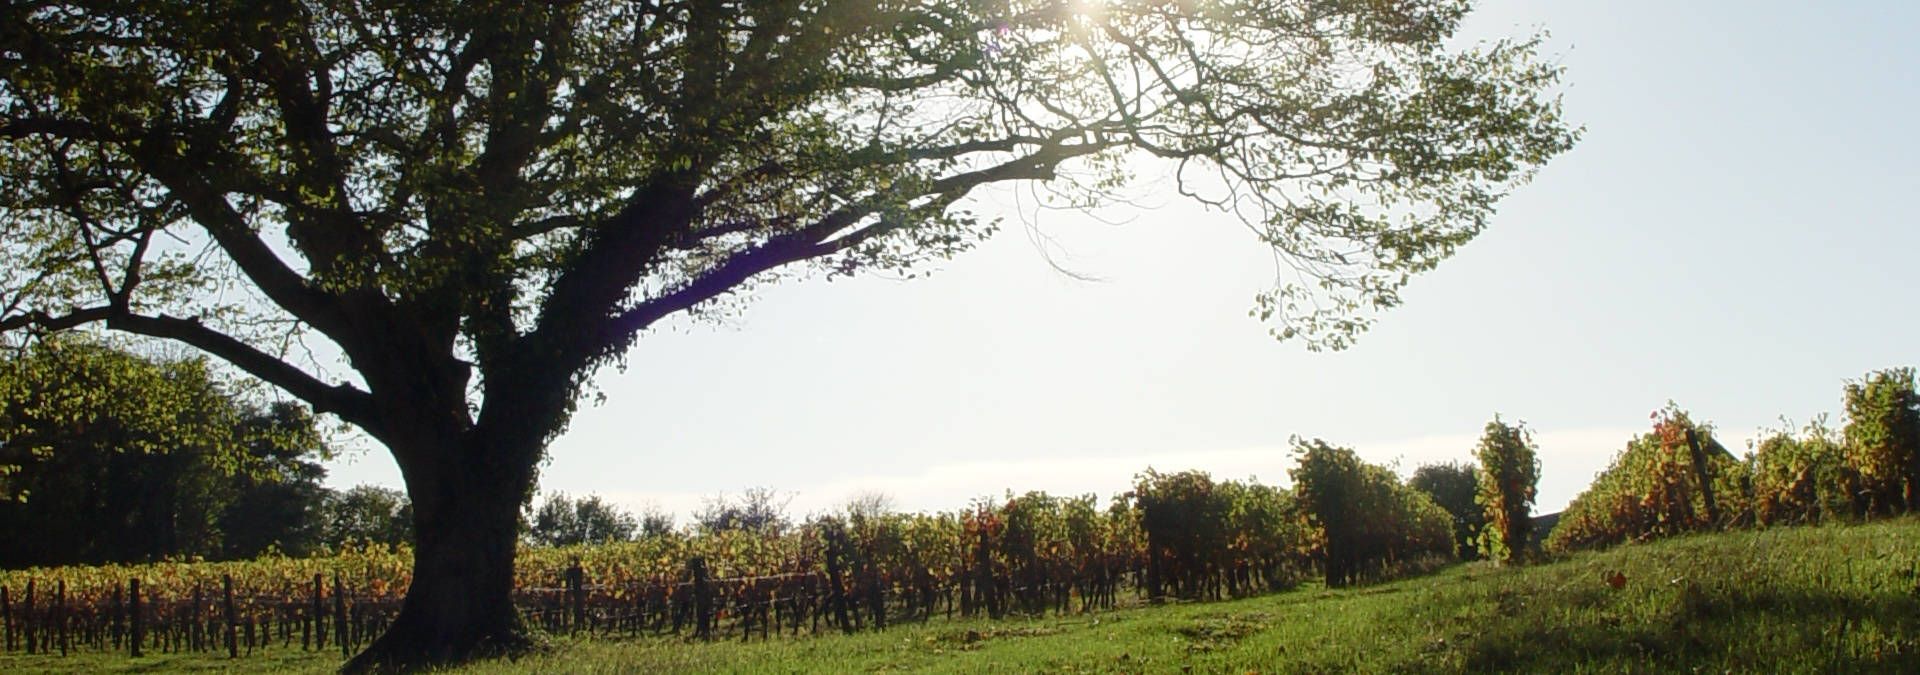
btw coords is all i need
(1088, 8)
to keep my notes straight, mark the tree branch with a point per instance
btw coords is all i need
(229, 229)
(347, 402)
(819, 238)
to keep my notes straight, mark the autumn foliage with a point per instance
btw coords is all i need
(1655, 487)
(1509, 471)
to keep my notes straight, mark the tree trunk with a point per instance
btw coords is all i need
(459, 606)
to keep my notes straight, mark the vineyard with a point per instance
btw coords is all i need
(1677, 478)
(1174, 536)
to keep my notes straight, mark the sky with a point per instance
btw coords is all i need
(1733, 233)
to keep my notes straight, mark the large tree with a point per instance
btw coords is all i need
(480, 203)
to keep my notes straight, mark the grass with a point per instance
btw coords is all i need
(1809, 599)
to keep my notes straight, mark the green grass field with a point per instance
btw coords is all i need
(1810, 599)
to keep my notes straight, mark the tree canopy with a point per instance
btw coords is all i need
(757, 509)
(107, 455)
(533, 185)
(565, 521)
(369, 514)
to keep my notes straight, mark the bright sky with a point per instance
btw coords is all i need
(1735, 232)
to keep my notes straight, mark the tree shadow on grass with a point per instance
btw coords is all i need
(1745, 630)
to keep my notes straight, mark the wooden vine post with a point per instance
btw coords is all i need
(27, 616)
(340, 616)
(60, 614)
(226, 591)
(702, 599)
(135, 625)
(1704, 472)
(576, 595)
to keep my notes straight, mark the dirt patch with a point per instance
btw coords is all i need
(1209, 633)
(974, 637)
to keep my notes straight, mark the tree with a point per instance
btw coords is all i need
(279, 502)
(1454, 486)
(870, 504)
(369, 514)
(655, 522)
(107, 455)
(480, 204)
(759, 509)
(1509, 474)
(561, 521)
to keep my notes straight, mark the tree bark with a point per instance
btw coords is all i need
(460, 605)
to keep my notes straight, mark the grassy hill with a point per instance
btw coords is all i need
(1809, 599)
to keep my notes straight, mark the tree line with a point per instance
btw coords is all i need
(109, 455)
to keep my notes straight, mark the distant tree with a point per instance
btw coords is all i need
(562, 521)
(1509, 477)
(369, 514)
(280, 501)
(758, 509)
(482, 203)
(870, 504)
(1883, 439)
(655, 522)
(1455, 486)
